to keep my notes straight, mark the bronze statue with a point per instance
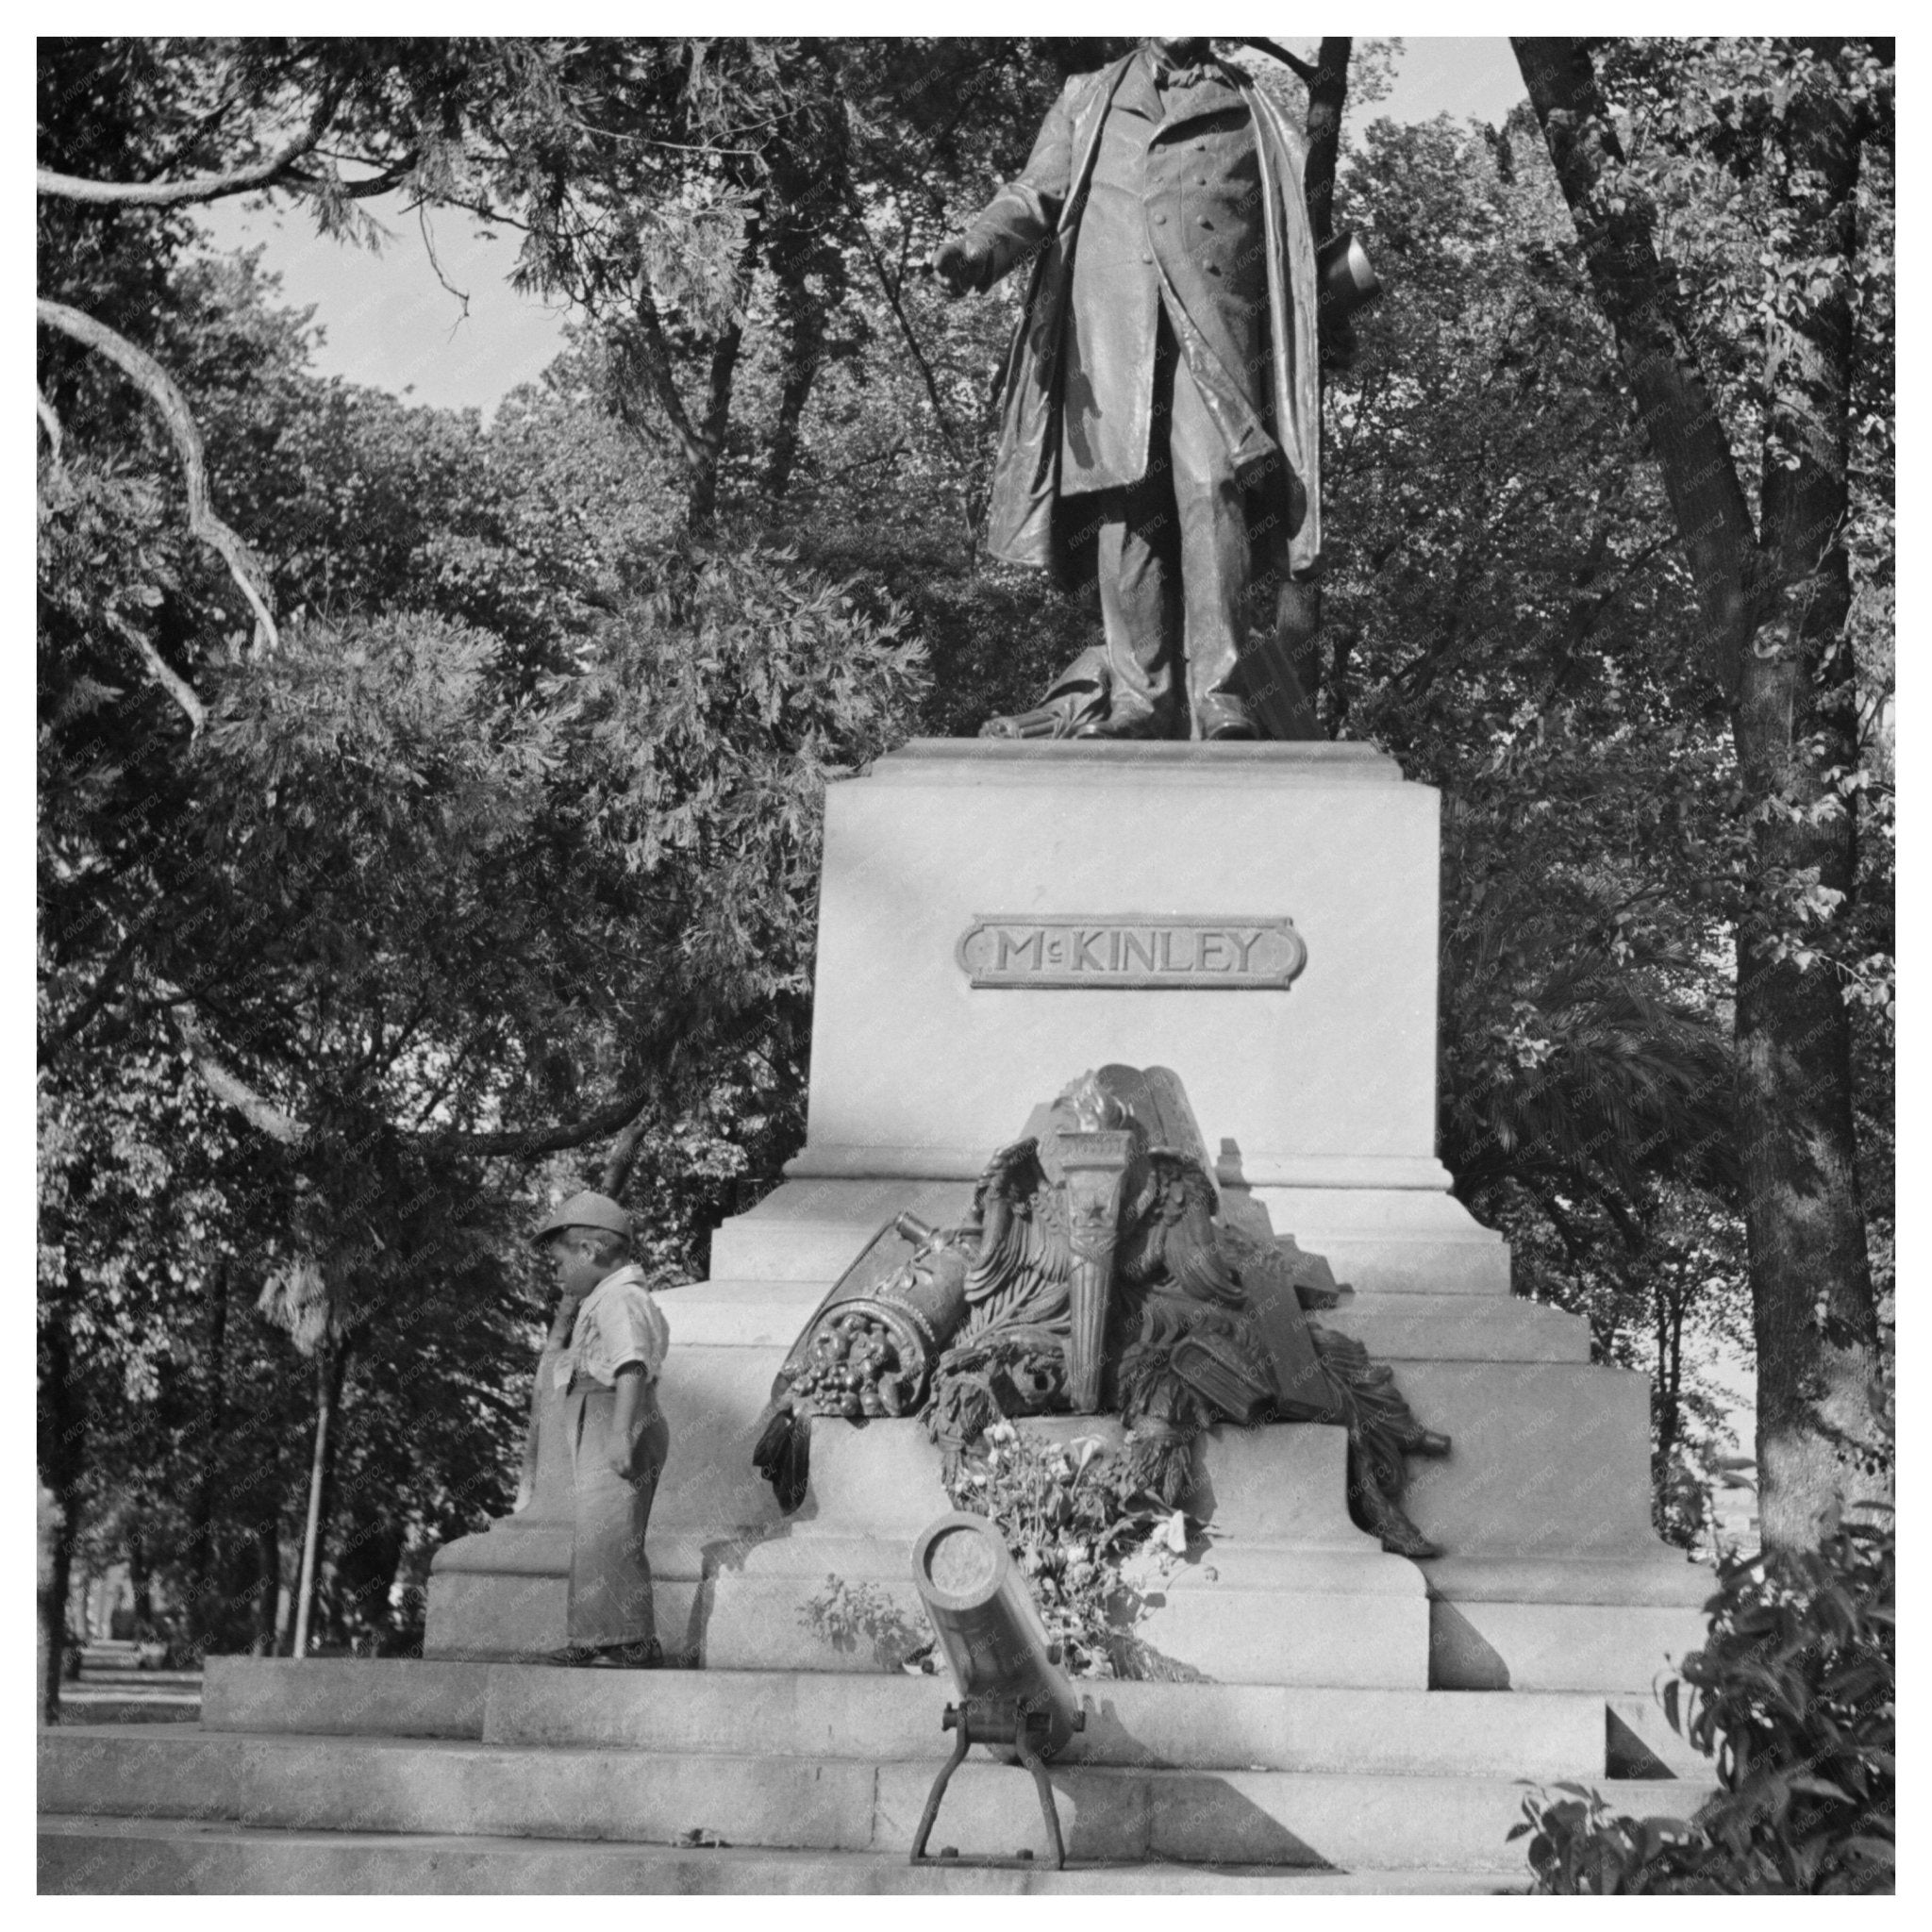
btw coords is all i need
(1097, 1275)
(1160, 414)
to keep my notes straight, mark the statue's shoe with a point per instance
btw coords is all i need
(1069, 711)
(645, 1655)
(1079, 712)
(1398, 1535)
(1426, 1442)
(1221, 715)
(1130, 724)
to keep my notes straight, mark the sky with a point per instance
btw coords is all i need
(389, 322)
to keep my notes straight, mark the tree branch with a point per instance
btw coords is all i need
(96, 996)
(531, 1140)
(160, 670)
(647, 344)
(262, 173)
(892, 295)
(1281, 54)
(49, 422)
(624, 1151)
(227, 1086)
(160, 388)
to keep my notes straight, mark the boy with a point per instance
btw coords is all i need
(602, 1365)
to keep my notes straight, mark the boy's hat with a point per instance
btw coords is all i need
(586, 1210)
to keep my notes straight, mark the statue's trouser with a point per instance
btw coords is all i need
(1173, 557)
(609, 1576)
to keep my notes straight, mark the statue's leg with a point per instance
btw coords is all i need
(1138, 560)
(1381, 1428)
(1125, 686)
(1282, 664)
(1212, 514)
(1297, 658)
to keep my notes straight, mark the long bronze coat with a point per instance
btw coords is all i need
(1041, 211)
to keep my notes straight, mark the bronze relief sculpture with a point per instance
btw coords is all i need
(1160, 402)
(1096, 1274)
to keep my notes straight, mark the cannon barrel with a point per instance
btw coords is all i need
(1006, 1668)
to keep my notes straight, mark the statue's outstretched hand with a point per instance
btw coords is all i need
(959, 266)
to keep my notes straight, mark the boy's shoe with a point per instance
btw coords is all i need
(647, 1656)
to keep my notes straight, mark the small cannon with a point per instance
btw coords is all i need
(1013, 1696)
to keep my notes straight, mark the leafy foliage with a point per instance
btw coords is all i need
(515, 841)
(1793, 1694)
(1073, 1515)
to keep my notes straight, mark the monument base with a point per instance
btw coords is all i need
(1277, 1587)
(1316, 1091)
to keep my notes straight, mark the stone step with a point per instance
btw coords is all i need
(1391, 1240)
(165, 1856)
(1459, 1328)
(462, 1789)
(1392, 1327)
(879, 1718)
(1619, 1647)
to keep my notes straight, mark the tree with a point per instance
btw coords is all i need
(1779, 130)
(365, 875)
(1503, 606)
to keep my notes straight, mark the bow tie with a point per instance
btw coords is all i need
(1183, 73)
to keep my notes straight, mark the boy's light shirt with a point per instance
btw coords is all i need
(619, 1323)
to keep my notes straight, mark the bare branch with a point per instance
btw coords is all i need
(892, 295)
(160, 388)
(227, 1086)
(650, 349)
(436, 263)
(96, 997)
(532, 1140)
(262, 173)
(1280, 53)
(623, 1153)
(160, 669)
(49, 422)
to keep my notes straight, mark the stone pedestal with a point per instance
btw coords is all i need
(1278, 1588)
(956, 859)
(956, 863)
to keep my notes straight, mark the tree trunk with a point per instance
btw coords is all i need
(1687, 436)
(704, 482)
(1775, 626)
(141, 1582)
(1327, 98)
(801, 323)
(1819, 1440)
(318, 1463)
(268, 1584)
(63, 1464)
(213, 1416)
(1668, 1320)
(338, 1422)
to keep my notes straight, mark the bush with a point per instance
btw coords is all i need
(1794, 1697)
(1072, 1514)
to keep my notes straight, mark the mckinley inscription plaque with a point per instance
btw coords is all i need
(1131, 952)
